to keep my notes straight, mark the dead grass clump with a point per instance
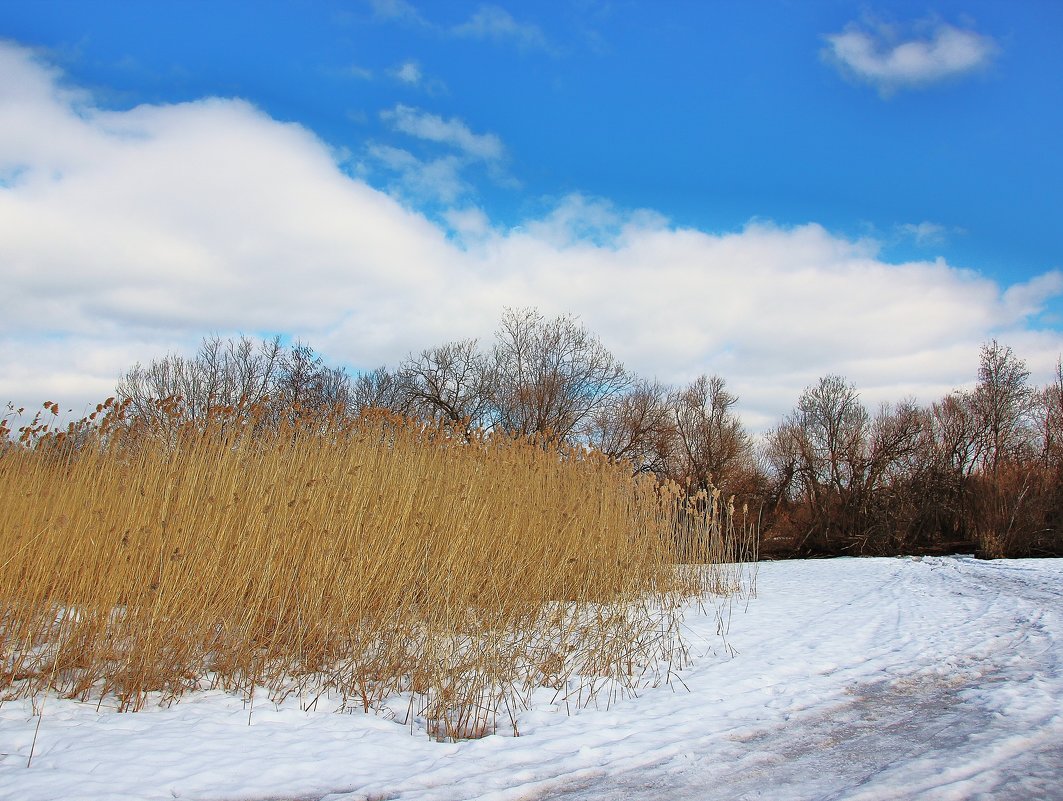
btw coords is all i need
(364, 559)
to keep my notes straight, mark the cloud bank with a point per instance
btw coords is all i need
(124, 234)
(879, 57)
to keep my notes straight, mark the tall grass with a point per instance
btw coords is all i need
(370, 560)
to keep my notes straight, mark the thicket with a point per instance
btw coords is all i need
(430, 571)
(978, 470)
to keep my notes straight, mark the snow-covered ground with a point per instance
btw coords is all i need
(851, 679)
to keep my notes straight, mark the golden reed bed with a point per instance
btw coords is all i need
(367, 558)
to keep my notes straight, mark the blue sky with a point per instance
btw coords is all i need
(906, 148)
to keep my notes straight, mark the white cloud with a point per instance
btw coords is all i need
(497, 24)
(408, 72)
(452, 132)
(470, 224)
(488, 23)
(880, 58)
(926, 233)
(439, 178)
(436, 180)
(125, 234)
(1029, 298)
(400, 10)
(355, 71)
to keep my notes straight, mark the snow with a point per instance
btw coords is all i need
(860, 679)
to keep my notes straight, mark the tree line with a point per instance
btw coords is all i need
(978, 470)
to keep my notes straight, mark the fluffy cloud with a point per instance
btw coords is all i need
(124, 234)
(880, 58)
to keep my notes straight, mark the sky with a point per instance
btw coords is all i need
(771, 191)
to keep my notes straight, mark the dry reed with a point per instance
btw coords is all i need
(370, 560)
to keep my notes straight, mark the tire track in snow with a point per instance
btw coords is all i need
(982, 720)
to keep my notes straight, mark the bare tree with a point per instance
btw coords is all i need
(955, 434)
(832, 426)
(231, 372)
(638, 426)
(380, 389)
(819, 457)
(304, 384)
(886, 517)
(1007, 512)
(453, 383)
(1003, 401)
(1049, 413)
(838, 422)
(552, 375)
(712, 446)
(893, 445)
(935, 488)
